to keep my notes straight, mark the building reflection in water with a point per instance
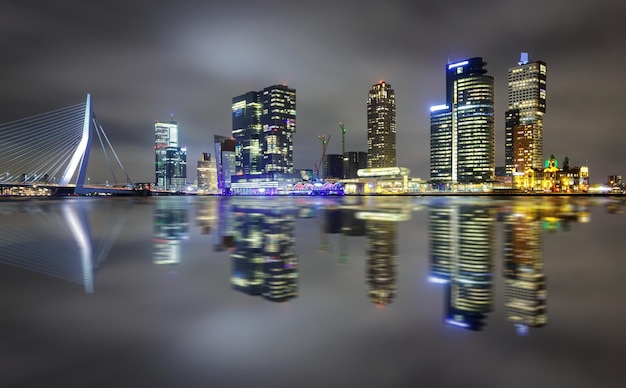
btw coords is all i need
(206, 214)
(461, 256)
(382, 249)
(524, 279)
(171, 225)
(264, 262)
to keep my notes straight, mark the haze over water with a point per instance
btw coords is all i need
(312, 292)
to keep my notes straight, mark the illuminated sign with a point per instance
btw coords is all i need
(453, 65)
(439, 107)
(384, 171)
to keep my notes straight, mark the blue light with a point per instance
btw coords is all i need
(457, 323)
(453, 65)
(438, 107)
(436, 280)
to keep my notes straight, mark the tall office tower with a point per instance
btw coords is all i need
(354, 161)
(524, 279)
(524, 116)
(263, 127)
(175, 168)
(207, 172)
(381, 126)
(225, 161)
(462, 146)
(247, 133)
(278, 119)
(165, 135)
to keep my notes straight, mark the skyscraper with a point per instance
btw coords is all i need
(170, 160)
(381, 126)
(207, 172)
(225, 161)
(263, 126)
(278, 120)
(524, 115)
(462, 130)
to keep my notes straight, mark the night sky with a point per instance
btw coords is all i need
(143, 60)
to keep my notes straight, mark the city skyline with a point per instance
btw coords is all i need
(140, 72)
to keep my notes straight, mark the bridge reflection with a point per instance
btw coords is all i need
(58, 226)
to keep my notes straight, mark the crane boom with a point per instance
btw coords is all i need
(324, 141)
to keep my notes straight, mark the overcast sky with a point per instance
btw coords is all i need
(142, 60)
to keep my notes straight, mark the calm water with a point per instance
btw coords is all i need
(313, 292)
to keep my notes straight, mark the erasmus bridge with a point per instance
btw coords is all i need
(51, 150)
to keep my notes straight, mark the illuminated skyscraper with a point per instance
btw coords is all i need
(225, 161)
(462, 130)
(278, 119)
(381, 126)
(207, 172)
(263, 126)
(165, 136)
(170, 159)
(524, 115)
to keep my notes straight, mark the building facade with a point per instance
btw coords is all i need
(170, 159)
(524, 115)
(225, 162)
(353, 162)
(381, 126)
(263, 126)
(207, 172)
(462, 129)
(333, 166)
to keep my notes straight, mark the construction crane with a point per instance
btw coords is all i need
(324, 141)
(343, 139)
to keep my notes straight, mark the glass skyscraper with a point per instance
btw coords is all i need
(170, 160)
(263, 126)
(462, 129)
(524, 116)
(381, 126)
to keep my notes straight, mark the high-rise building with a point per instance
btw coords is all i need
(170, 159)
(354, 161)
(381, 126)
(165, 135)
(462, 130)
(175, 168)
(263, 126)
(207, 172)
(278, 120)
(225, 162)
(524, 116)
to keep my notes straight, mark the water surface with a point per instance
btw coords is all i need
(312, 292)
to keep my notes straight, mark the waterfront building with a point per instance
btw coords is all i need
(207, 172)
(462, 129)
(381, 126)
(165, 135)
(333, 166)
(354, 161)
(263, 126)
(524, 115)
(225, 162)
(175, 168)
